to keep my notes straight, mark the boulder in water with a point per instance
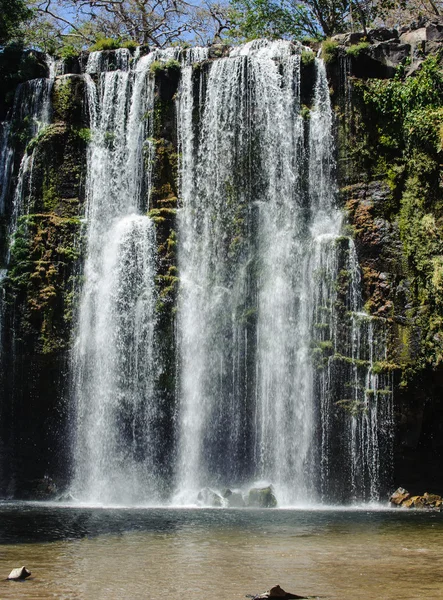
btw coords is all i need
(233, 499)
(262, 497)
(277, 592)
(208, 497)
(19, 574)
(403, 499)
(399, 496)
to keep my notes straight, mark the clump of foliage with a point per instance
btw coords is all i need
(156, 66)
(171, 65)
(307, 58)
(402, 124)
(356, 49)
(130, 45)
(105, 44)
(13, 13)
(329, 50)
(408, 108)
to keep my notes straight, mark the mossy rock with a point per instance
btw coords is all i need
(42, 282)
(68, 100)
(262, 497)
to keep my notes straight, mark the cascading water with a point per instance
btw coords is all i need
(258, 251)
(114, 360)
(268, 369)
(275, 382)
(32, 110)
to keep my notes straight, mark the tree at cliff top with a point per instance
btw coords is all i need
(12, 14)
(80, 23)
(319, 18)
(289, 18)
(394, 14)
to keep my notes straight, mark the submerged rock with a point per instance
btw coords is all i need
(262, 497)
(208, 497)
(277, 592)
(19, 573)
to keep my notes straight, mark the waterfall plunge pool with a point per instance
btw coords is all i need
(153, 553)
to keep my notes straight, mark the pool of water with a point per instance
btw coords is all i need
(156, 553)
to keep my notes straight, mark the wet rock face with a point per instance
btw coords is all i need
(378, 246)
(382, 190)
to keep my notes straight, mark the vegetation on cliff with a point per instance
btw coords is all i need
(398, 132)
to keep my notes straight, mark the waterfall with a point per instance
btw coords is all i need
(259, 258)
(32, 111)
(114, 361)
(281, 377)
(244, 278)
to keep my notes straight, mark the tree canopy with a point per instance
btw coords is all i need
(68, 26)
(12, 14)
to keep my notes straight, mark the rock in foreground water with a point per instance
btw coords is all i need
(401, 498)
(19, 573)
(277, 592)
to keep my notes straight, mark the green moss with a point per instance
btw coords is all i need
(36, 140)
(383, 366)
(397, 128)
(68, 101)
(40, 280)
(305, 112)
(63, 98)
(352, 407)
(84, 134)
(349, 360)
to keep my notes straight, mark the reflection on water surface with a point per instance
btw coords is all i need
(114, 554)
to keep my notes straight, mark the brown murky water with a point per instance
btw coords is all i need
(201, 554)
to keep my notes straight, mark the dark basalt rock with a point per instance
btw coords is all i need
(382, 34)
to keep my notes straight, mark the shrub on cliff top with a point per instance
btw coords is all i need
(105, 44)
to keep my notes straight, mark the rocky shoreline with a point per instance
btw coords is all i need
(401, 498)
